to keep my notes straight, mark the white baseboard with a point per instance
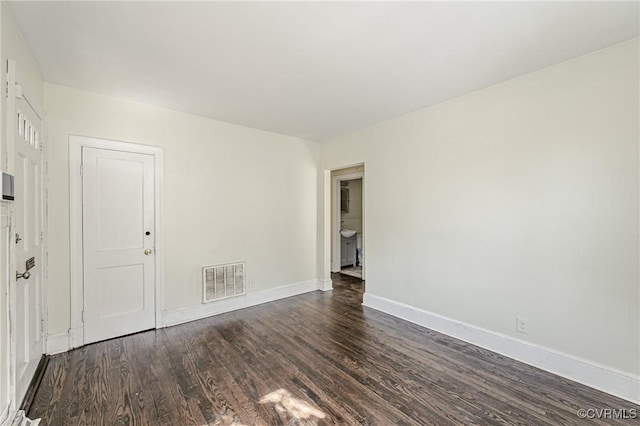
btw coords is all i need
(606, 379)
(57, 343)
(325, 285)
(179, 316)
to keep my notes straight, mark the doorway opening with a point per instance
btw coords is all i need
(348, 230)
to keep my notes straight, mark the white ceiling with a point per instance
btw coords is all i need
(312, 70)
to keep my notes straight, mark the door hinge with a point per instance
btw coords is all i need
(81, 171)
(82, 316)
(42, 326)
(41, 237)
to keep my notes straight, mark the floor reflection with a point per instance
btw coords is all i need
(298, 411)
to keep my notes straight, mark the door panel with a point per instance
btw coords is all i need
(119, 256)
(117, 280)
(29, 224)
(120, 185)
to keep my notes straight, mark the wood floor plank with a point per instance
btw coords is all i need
(314, 353)
(387, 368)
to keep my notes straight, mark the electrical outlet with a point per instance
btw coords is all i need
(522, 325)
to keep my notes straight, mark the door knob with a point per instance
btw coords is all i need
(147, 251)
(25, 275)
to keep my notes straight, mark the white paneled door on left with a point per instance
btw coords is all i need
(29, 213)
(118, 243)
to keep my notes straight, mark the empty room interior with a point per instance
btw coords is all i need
(313, 213)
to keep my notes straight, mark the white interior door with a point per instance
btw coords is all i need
(118, 243)
(29, 251)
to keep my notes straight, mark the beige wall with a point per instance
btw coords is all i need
(520, 199)
(230, 193)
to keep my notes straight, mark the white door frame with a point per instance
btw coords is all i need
(76, 143)
(7, 406)
(335, 217)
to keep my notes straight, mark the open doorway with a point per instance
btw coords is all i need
(348, 230)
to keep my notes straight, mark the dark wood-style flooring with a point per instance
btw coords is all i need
(296, 360)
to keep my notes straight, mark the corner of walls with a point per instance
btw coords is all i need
(324, 227)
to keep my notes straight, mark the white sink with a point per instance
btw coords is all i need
(347, 233)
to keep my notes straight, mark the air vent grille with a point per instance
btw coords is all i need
(223, 281)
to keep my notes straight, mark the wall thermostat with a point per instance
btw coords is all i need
(7, 187)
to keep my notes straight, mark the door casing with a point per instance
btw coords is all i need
(335, 217)
(76, 143)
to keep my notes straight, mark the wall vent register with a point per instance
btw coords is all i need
(223, 281)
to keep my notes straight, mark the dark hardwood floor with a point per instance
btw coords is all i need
(317, 358)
